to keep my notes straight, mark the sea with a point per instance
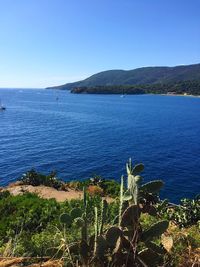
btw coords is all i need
(80, 136)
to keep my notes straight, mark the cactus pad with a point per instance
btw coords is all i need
(102, 246)
(155, 230)
(152, 187)
(138, 168)
(149, 257)
(75, 213)
(112, 235)
(130, 216)
(79, 222)
(66, 219)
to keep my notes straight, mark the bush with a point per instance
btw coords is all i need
(95, 190)
(184, 215)
(4, 194)
(34, 178)
(111, 188)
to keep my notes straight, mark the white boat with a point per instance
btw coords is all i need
(2, 107)
(123, 95)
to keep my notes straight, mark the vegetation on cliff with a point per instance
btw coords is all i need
(184, 87)
(135, 229)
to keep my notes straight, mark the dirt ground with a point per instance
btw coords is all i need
(45, 192)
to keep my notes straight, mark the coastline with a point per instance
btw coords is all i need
(47, 192)
(99, 93)
(196, 96)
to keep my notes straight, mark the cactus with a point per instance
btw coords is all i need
(79, 222)
(123, 241)
(65, 219)
(85, 226)
(96, 230)
(152, 187)
(101, 247)
(120, 245)
(75, 213)
(155, 248)
(112, 235)
(133, 180)
(130, 216)
(149, 258)
(121, 199)
(99, 222)
(151, 210)
(137, 168)
(155, 230)
(104, 206)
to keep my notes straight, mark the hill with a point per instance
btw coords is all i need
(191, 87)
(146, 75)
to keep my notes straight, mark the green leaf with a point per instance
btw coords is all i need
(127, 196)
(155, 230)
(130, 216)
(79, 222)
(149, 257)
(112, 235)
(152, 187)
(66, 219)
(155, 248)
(75, 213)
(102, 246)
(138, 168)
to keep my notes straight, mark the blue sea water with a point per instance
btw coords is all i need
(82, 135)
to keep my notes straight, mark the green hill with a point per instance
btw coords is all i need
(146, 75)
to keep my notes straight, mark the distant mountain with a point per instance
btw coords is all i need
(146, 75)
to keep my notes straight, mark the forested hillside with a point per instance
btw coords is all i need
(146, 75)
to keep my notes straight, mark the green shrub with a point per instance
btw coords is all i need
(34, 178)
(184, 215)
(111, 188)
(4, 194)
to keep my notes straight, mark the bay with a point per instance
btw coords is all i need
(82, 135)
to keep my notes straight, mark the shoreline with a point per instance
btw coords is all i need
(196, 96)
(47, 192)
(86, 93)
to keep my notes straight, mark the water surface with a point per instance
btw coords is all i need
(82, 135)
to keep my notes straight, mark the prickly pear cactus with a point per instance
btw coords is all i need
(152, 187)
(79, 222)
(130, 216)
(75, 213)
(104, 206)
(101, 248)
(155, 230)
(112, 235)
(65, 219)
(133, 181)
(149, 257)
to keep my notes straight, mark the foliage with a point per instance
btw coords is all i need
(95, 190)
(108, 187)
(34, 178)
(111, 188)
(4, 194)
(141, 76)
(125, 242)
(185, 251)
(26, 211)
(26, 219)
(176, 87)
(130, 231)
(184, 215)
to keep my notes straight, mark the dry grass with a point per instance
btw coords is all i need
(16, 262)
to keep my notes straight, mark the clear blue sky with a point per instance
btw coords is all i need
(51, 42)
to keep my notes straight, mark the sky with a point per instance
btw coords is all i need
(52, 42)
